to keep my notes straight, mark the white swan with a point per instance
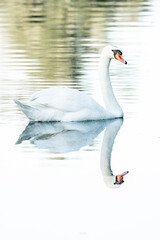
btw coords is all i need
(65, 104)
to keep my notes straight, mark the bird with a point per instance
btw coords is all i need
(66, 104)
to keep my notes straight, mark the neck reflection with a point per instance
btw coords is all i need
(111, 180)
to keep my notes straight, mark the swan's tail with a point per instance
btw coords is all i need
(28, 110)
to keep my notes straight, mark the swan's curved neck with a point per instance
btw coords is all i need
(112, 106)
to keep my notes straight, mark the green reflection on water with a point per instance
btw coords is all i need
(63, 36)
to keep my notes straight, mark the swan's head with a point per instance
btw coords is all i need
(114, 181)
(112, 52)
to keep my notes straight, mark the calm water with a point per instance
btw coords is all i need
(54, 182)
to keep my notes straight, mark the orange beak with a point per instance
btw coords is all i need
(119, 178)
(118, 56)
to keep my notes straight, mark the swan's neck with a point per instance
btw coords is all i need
(112, 106)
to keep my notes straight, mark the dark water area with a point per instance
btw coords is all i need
(46, 43)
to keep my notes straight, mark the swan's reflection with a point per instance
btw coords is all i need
(63, 137)
(110, 133)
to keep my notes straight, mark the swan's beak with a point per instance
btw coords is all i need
(118, 56)
(119, 178)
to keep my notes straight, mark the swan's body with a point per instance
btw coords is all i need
(62, 104)
(65, 104)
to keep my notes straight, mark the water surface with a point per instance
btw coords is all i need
(53, 183)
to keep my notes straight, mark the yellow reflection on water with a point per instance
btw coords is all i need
(45, 43)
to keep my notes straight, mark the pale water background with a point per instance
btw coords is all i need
(45, 194)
